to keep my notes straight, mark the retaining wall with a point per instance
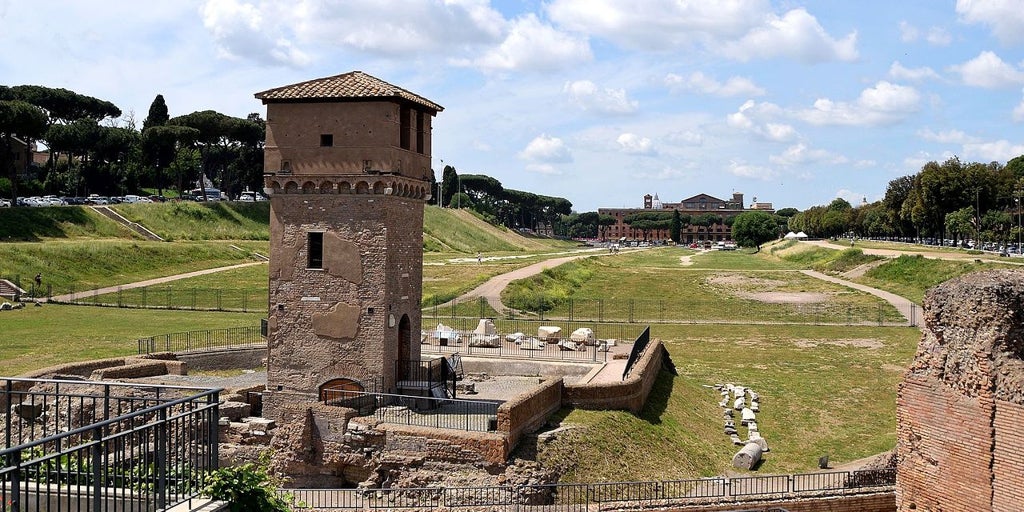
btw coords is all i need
(528, 411)
(873, 502)
(630, 394)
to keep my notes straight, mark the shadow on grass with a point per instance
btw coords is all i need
(657, 401)
(24, 224)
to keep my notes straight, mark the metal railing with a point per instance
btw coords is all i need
(83, 445)
(195, 341)
(422, 411)
(639, 346)
(169, 297)
(680, 309)
(581, 496)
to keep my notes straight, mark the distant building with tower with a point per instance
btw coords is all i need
(700, 204)
(348, 170)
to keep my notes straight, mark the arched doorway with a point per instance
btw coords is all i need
(337, 390)
(404, 347)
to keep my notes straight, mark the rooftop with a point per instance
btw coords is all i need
(354, 85)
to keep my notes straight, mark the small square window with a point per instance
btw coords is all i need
(326, 140)
(316, 250)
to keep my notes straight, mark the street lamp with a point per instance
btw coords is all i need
(1017, 200)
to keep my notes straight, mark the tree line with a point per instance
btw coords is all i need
(514, 209)
(948, 201)
(94, 149)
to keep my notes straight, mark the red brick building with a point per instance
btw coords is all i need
(693, 207)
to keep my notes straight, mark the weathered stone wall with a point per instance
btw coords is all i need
(630, 394)
(231, 359)
(140, 368)
(336, 321)
(959, 406)
(362, 131)
(528, 411)
(445, 445)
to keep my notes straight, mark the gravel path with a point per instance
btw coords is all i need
(150, 282)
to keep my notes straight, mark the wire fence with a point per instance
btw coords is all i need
(573, 497)
(682, 308)
(173, 297)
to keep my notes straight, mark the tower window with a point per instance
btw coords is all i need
(315, 243)
(419, 133)
(326, 140)
(404, 126)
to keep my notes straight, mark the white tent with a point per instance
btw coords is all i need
(789, 236)
(801, 235)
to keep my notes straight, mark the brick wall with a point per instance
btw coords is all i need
(232, 359)
(874, 502)
(455, 446)
(527, 412)
(630, 394)
(959, 412)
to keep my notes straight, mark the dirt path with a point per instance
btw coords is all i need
(894, 253)
(905, 307)
(150, 282)
(491, 290)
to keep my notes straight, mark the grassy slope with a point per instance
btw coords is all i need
(37, 224)
(447, 230)
(219, 220)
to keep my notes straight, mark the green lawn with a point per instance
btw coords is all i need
(37, 337)
(825, 390)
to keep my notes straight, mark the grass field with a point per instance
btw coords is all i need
(215, 220)
(825, 390)
(37, 337)
(626, 288)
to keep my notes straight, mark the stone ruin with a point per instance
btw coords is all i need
(960, 407)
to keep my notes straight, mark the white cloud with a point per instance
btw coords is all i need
(1005, 17)
(885, 103)
(995, 151)
(898, 72)
(659, 24)
(634, 144)
(586, 95)
(1018, 112)
(938, 36)
(916, 162)
(739, 29)
(752, 117)
(946, 137)
(544, 149)
(908, 32)
(796, 34)
(798, 154)
(242, 30)
(989, 71)
(686, 138)
(744, 170)
(547, 169)
(701, 83)
(666, 173)
(532, 45)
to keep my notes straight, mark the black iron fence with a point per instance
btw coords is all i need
(194, 341)
(580, 497)
(681, 308)
(639, 346)
(422, 411)
(81, 445)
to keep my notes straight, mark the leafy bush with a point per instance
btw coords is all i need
(246, 488)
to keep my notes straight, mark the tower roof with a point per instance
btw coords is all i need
(354, 85)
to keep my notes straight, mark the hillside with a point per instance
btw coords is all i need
(447, 230)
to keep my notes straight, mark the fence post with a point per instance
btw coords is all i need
(120, 297)
(161, 459)
(572, 305)
(97, 468)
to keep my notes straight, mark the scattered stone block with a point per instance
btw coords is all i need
(583, 335)
(549, 333)
(234, 411)
(747, 457)
(485, 327)
(485, 341)
(739, 404)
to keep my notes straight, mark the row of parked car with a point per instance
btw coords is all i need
(92, 199)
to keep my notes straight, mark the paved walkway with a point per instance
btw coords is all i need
(905, 307)
(160, 280)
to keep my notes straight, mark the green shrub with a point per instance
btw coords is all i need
(246, 488)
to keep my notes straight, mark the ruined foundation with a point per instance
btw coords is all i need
(960, 406)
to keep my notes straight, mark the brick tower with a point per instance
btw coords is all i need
(347, 162)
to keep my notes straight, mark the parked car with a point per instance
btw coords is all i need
(5, 203)
(251, 197)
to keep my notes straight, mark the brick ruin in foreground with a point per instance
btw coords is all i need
(961, 404)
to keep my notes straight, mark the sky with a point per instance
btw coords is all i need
(790, 102)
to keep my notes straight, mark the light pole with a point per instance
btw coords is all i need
(1017, 200)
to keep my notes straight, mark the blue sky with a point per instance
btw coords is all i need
(598, 101)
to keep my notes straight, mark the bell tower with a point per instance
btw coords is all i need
(347, 170)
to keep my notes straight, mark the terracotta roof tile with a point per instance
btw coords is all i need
(355, 84)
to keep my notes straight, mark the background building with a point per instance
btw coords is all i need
(705, 218)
